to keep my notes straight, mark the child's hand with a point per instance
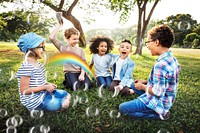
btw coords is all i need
(50, 88)
(81, 77)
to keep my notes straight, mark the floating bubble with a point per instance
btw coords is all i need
(12, 76)
(163, 131)
(103, 93)
(17, 118)
(11, 129)
(99, 91)
(10, 122)
(81, 101)
(55, 75)
(114, 114)
(184, 25)
(92, 111)
(116, 92)
(74, 86)
(44, 128)
(34, 129)
(75, 100)
(3, 113)
(6, 75)
(36, 113)
(86, 87)
(136, 56)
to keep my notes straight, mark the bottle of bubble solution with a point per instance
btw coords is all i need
(59, 17)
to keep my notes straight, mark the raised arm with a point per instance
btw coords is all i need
(53, 39)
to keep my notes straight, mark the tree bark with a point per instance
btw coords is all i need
(143, 23)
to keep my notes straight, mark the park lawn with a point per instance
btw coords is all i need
(95, 114)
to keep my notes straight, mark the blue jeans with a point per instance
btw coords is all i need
(53, 101)
(106, 81)
(136, 108)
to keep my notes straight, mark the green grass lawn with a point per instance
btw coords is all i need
(88, 112)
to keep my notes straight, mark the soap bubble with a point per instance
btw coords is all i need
(36, 113)
(3, 113)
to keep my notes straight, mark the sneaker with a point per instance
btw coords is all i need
(125, 92)
(165, 117)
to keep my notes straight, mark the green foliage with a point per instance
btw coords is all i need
(192, 40)
(182, 24)
(185, 112)
(17, 23)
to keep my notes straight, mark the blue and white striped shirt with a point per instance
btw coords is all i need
(163, 80)
(37, 78)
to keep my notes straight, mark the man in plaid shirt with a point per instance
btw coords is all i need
(157, 95)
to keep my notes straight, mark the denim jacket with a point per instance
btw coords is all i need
(126, 73)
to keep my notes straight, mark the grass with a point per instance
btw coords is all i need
(88, 112)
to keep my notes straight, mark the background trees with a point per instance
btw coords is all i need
(14, 24)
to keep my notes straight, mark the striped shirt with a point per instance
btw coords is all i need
(37, 78)
(163, 80)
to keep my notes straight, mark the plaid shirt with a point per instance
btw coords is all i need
(163, 80)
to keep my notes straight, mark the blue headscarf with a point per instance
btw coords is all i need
(29, 41)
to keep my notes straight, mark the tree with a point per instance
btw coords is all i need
(126, 6)
(88, 8)
(14, 24)
(182, 24)
(66, 7)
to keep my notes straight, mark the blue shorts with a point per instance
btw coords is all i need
(53, 101)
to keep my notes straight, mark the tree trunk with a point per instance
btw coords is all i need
(143, 23)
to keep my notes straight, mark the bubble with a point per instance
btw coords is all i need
(17, 118)
(44, 128)
(92, 111)
(74, 85)
(6, 75)
(55, 75)
(163, 131)
(12, 75)
(114, 114)
(103, 93)
(116, 92)
(184, 25)
(83, 100)
(3, 113)
(36, 113)
(34, 129)
(10, 122)
(75, 100)
(86, 87)
(11, 129)
(99, 91)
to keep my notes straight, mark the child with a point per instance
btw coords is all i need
(161, 87)
(35, 92)
(75, 76)
(100, 47)
(122, 70)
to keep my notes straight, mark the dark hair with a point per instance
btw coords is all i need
(95, 42)
(32, 53)
(128, 41)
(164, 34)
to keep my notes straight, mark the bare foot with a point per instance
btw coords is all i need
(131, 92)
